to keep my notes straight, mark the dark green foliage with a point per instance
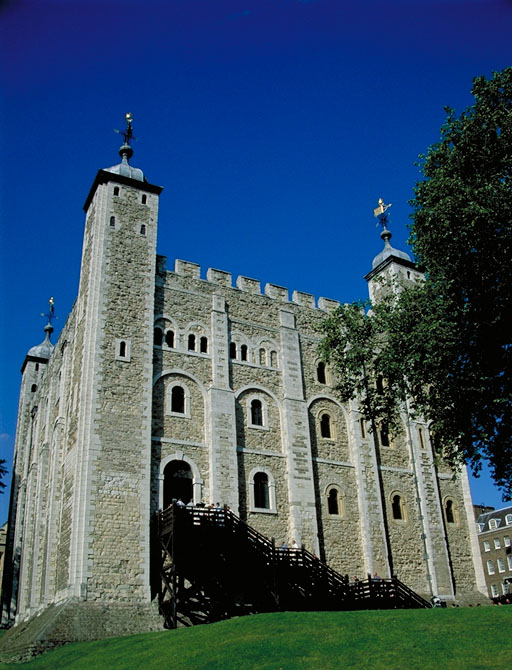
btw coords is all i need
(3, 472)
(446, 344)
(355, 344)
(462, 233)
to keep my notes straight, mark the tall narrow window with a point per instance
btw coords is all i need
(261, 492)
(122, 350)
(384, 435)
(320, 373)
(112, 221)
(169, 338)
(273, 359)
(243, 352)
(256, 413)
(178, 399)
(263, 357)
(396, 507)
(421, 437)
(116, 190)
(203, 345)
(144, 199)
(490, 567)
(333, 502)
(232, 349)
(33, 388)
(325, 425)
(157, 337)
(191, 342)
(450, 516)
(143, 229)
(362, 427)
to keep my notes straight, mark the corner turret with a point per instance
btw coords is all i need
(390, 264)
(41, 352)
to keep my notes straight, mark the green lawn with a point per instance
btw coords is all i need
(381, 640)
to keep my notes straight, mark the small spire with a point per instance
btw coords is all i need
(44, 350)
(48, 329)
(126, 151)
(382, 216)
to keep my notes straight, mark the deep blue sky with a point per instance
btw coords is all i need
(273, 126)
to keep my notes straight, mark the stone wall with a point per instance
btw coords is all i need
(269, 351)
(97, 428)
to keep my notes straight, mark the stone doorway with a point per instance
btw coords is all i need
(177, 482)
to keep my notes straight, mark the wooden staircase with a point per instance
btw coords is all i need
(214, 566)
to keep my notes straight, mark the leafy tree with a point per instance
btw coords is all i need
(3, 472)
(447, 343)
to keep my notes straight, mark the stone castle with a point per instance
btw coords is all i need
(166, 385)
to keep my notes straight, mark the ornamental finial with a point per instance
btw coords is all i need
(382, 217)
(126, 151)
(50, 316)
(380, 212)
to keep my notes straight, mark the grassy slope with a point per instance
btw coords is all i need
(471, 638)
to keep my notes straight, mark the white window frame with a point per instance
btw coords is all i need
(506, 540)
(319, 416)
(198, 331)
(238, 340)
(128, 350)
(487, 546)
(501, 564)
(168, 400)
(263, 354)
(455, 514)
(264, 411)
(509, 561)
(272, 509)
(166, 324)
(508, 519)
(341, 502)
(494, 591)
(494, 524)
(497, 543)
(403, 507)
(490, 567)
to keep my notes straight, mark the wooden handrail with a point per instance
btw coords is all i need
(299, 569)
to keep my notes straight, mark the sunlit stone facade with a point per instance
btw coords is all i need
(167, 383)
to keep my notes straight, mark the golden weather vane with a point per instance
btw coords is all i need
(128, 133)
(380, 212)
(51, 311)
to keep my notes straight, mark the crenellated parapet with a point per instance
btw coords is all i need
(222, 278)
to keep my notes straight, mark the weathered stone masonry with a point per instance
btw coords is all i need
(164, 384)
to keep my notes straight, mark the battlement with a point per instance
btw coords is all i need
(247, 285)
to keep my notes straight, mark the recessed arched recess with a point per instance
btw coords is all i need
(178, 482)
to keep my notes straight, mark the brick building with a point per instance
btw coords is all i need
(494, 536)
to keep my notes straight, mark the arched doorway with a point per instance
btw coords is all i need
(177, 482)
